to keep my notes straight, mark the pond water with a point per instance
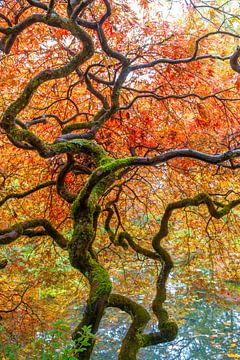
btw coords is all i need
(206, 332)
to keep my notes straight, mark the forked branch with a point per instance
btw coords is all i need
(12, 233)
(28, 192)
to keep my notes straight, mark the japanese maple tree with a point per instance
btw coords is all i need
(111, 110)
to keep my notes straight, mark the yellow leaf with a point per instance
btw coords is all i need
(105, 62)
(148, 23)
(233, 356)
(212, 14)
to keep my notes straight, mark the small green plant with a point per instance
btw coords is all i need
(54, 344)
(50, 345)
(83, 339)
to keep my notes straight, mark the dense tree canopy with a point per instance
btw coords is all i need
(119, 142)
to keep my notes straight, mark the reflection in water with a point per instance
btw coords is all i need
(207, 332)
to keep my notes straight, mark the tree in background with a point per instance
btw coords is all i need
(111, 112)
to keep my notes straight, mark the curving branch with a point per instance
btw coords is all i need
(179, 97)
(107, 226)
(124, 238)
(10, 234)
(234, 60)
(140, 317)
(62, 188)
(5, 18)
(194, 56)
(106, 48)
(76, 126)
(20, 302)
(50, 6)
(8, 122)
(96, 93)
(107, 170)
(38, 4)
(99, 80)
(197, 200)
(135, 338)
(28, 192)
(217, 159)
(111, 165)
(167, 263)
(79, 8)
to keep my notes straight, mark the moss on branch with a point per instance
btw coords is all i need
(168, 333)
(134, 338)
(9, 116)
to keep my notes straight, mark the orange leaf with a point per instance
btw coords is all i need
(202, 111)
(237, 84)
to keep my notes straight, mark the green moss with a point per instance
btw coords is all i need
(75, 209)
(18, 228)
(225, 210)
(82, 238)
(100, 179)
(106, 160)
(99, 190)
(163, 314)
(77, 126)
(101, 283)
(117, 164)
(169, 331)
(81, 146)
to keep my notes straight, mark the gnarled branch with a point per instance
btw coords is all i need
(10, 234)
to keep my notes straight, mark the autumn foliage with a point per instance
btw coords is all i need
(119, 145)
